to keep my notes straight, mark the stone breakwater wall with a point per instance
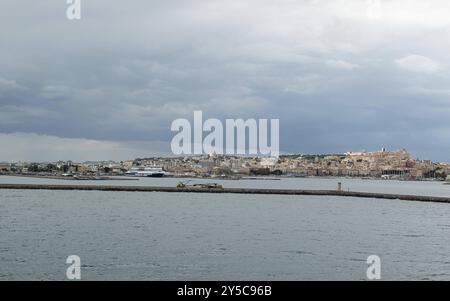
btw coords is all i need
(265, 191)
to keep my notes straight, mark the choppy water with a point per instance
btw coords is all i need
(171, 236)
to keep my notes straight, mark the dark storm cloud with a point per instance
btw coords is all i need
(360, 76)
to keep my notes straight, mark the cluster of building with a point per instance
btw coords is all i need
(66, 167)
(379, 164)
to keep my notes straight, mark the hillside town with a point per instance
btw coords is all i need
(381, 164)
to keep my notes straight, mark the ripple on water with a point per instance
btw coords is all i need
(174, 236)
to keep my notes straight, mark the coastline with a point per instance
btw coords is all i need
(182, 176)
(71, 178)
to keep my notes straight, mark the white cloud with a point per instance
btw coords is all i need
(55, 92)
(339, 64)
(423, 14)
(417, 63)
(8, 85)
(444, 93)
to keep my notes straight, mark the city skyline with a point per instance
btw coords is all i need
(169, 155)
(383, 164)
(243, 156)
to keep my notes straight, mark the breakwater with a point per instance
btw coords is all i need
(267, 191)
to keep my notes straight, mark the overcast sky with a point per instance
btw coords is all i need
(340, 75)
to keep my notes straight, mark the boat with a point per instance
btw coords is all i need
(144, 171)
(203, 186)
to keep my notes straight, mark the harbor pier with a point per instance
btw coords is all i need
(262, 191)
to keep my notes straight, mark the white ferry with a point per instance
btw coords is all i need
(142, 171)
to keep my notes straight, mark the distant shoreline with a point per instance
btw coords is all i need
(255, 177)
(71, 178)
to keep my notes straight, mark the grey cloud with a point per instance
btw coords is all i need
(330, 72)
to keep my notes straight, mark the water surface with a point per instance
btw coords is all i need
(176, 236)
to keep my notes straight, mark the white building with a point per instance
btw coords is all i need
(268, 162)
